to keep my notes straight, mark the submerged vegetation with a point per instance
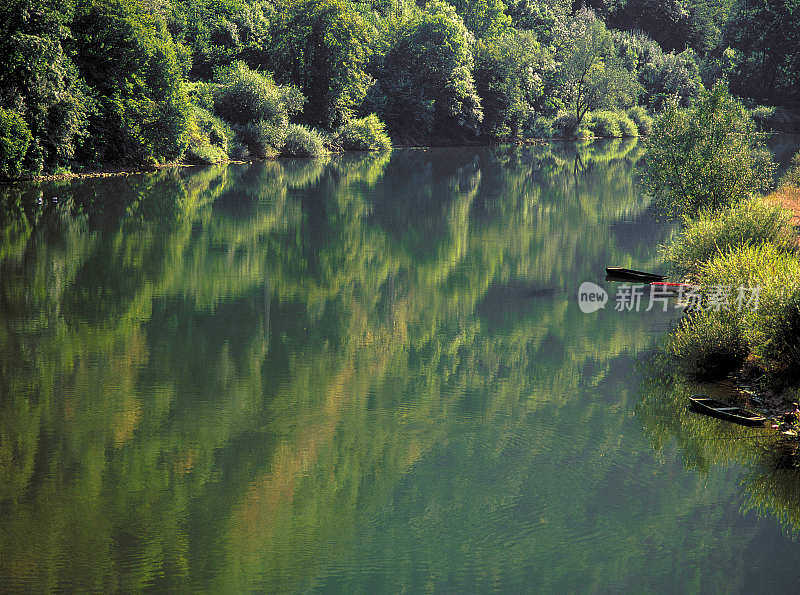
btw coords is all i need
(86, 83)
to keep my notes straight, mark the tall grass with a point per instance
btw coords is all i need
(302, 141)
(752, 222)
(761, 318)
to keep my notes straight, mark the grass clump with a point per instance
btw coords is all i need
(302, 141)
(642, 119)
(708, 344)
(759, 317)
(605, 124)
(752, 222)
(775, 333)
(627, 127)
(362, 134)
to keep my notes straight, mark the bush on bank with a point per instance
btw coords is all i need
(706, 156)
(752, 222)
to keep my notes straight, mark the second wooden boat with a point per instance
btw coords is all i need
(715, 408)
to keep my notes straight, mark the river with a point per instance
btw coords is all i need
(368, 373)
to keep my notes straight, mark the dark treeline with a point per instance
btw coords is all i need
(91, 82)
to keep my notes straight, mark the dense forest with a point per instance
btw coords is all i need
(85, 83)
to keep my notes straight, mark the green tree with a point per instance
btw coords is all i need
(706, 156)
(128, 58)
(39, 81)
(15, 137)
(426, 85)
(588, 74)
(509, 76)
(543, 17)
(323, 47)
(485, 18)
(767, 39)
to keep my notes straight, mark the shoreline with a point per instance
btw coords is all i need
(139, 169)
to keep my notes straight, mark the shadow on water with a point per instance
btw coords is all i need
(769, 462)
(359, 373)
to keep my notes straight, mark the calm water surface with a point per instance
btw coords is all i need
(366, 374)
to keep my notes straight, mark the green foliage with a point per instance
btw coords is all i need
(485, 18)
(302, 141)
(642, 119)
(542, 17)
(210, 138)
(323, 47)
(765, 324)
(752, 222)
(666, 76)
(565, 125)
(126, 55)
(708, 344)
(362, 134)
(589, 74)
(425, 86)
(214, 34)
(706, 156)
(15, 137)
(774, 331)
(509, 76)
(539, 127)
(605, 124)
(766, 41)
(39, 80)
(627, 127)
(243, 95)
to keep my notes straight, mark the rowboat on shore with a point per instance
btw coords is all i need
(738, 415)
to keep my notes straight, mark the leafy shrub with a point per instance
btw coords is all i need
(763, 116)
(774, 332)
(605, 124)
(772, 329)
(243, 95)
(564, 125)
(15, 137)
(750, 223)
(363, 134)
(627, 127)
(642, 120)
(708, 344)
(706, 156)
(209, 138)
(764, 322)
(792, 175)
(262, 138)
(540, 127)
(302, 141)
(201, 94)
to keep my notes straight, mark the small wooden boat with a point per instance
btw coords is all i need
(631, 275)
(715, 408)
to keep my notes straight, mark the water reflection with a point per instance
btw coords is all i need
(365, 372)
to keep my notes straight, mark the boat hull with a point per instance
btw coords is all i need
(724, 411)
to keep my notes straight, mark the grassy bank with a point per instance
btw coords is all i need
(738, 243)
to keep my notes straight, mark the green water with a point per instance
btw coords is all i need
(366, 374)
